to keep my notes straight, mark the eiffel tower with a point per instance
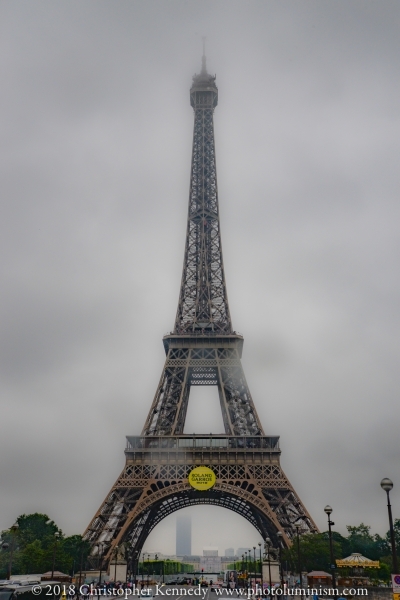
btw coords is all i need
(203, 349)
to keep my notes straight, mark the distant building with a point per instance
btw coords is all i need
(210, 551)
(229, 561)
(183, 535)
(210, 562)
(241, 551)
(230, 552)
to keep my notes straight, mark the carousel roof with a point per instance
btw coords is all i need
(357, 560)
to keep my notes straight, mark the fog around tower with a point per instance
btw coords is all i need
(96, 147)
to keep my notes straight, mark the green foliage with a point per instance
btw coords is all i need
(250, 565)
(396, 527)
(75, 551)
(171, 567)
(35, 546)
(314, 553)
(36, 527)
(383, 574)
(360, 540)
(31, 558)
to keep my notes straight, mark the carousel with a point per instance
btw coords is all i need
(355, 570)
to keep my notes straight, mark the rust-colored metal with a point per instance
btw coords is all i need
(202, 349)
(154, 483)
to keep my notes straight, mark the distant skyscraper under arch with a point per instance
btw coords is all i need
(183, 535)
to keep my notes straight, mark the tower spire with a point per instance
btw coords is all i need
(203, 301)
(203, 59)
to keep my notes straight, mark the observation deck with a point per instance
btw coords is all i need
(203, 339)
(203, 449)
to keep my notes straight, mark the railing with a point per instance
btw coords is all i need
(187, 442)
(203, 333)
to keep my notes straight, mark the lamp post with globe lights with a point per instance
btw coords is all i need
(298, 527)
(115, 562)
(146, 567)
(280, 536)
(269, 544)
(56, 536)
(5, 546)
(81, 563)
(328, 511)
(14, 530)
(100, 546)
(136, 565)
(387, 485)
(261, 569)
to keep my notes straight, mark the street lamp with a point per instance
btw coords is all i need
(81, 564)
(100, 546)
(387, 485)
(5, 546)
(280, 538)
(56, 536)
(161, 562)
(115, 563)
(135, 566)
(297, 526)
(328, 511)
(255, 574)
(247, 574)
(261, 569)
(269, 544)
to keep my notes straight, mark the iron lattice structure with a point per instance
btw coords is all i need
(202, 349)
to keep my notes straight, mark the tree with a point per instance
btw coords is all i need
(35, 544)
(171, 567)
(314, 552)
(36, 526)
(360, 540)
(32, 558)
(396, 527)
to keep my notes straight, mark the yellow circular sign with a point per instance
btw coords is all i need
(201, 478)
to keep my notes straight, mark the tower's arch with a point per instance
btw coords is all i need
(171, 498)
(154, 483)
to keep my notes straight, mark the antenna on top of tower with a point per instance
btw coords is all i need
(203, 59)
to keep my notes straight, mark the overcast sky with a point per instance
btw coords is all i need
(96, 132)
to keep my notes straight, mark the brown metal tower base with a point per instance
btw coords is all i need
(154, 483)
